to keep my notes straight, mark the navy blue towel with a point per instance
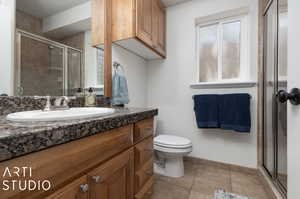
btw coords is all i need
(207, 111)
(235, 112)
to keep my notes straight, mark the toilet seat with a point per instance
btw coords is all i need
(172, 141)
(171, 149)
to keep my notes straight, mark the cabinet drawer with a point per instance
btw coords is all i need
(147, 191)
(143, 175)
(143, 151)
(142, 130)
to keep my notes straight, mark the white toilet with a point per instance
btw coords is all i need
(170, 150)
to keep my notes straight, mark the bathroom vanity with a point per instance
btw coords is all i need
(106, 157)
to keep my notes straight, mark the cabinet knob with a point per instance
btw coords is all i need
(96, 179)
(84, 187)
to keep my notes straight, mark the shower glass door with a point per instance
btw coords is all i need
(46, 67)
(275, 79)
(282, 85)
(74, 71)
(269, 88)
(40, 69)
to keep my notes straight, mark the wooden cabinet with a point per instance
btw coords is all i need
(137, 25)
(147, 190)
(143, 175)
(143, 158)
(76, 190)
(98, 15)
(143, 152)
(142, 130)
(113, 179)
(144, 21)
(158, 27)
(108, 165)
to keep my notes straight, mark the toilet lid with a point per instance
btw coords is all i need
(172, 141)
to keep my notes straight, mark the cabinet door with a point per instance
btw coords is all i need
(159, 26)
(161, 29)
(142, 130)
(144, 21)
(98, 15)
(76, 190)
(147, 190)
(113, 179)
(143, 152)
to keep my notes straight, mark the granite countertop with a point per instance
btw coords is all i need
(18, 139)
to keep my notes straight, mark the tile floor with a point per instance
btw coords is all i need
(201, 181)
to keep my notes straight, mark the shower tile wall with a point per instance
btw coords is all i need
(41, 68)
(42, 64)
(74, 61)
(29, 23)
(75, 41)
(38, 60)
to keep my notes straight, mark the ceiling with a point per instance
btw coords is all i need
(45, 8)
(173, 2)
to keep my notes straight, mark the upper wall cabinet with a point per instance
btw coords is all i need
(158, 27)
(137, 25)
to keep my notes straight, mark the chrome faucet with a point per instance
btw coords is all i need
(65, 101)
(48, 105)
(58, 105)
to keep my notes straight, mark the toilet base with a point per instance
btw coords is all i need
(173, 167)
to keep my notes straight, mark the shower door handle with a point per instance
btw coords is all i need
(293, 96)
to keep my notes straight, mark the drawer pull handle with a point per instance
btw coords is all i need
(84, 188)
(96, 179)
(150, 173)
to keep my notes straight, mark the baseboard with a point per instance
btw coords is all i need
(265, 180)
(221, 164)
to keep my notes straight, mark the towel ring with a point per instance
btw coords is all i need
(117, 65)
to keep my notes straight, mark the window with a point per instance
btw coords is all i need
(100, 67)
(222, 49)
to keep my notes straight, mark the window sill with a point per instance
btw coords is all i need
(210, 85)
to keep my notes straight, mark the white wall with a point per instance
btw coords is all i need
(136, 72)
(7, 27)
(169, 85)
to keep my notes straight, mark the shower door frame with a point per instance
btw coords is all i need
(17, 73)
(273, 176)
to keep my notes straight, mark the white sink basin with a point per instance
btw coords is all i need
(59, 115)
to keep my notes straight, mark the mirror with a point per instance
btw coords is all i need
(53, 49)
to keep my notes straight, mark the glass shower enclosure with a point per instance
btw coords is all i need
(275, 79)
(45, 67)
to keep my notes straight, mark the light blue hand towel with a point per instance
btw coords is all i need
(119, 89)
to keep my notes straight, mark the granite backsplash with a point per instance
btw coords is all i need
(16, 104)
